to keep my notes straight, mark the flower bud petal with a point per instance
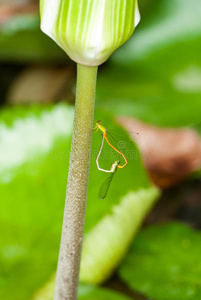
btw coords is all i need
(89, 31)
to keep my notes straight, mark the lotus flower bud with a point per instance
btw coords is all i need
(89, 31)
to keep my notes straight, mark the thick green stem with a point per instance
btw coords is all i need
(74, 213)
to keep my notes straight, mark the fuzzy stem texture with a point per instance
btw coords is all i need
(74, 214)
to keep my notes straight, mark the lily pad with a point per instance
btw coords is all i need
(164, 263)
(34, 153)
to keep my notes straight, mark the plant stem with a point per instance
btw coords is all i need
(75, 205)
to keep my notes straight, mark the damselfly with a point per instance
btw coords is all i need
(106, 184)
(104, 130)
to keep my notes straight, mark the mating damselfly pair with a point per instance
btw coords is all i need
(117, 164)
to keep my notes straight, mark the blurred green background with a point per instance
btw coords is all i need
(155, 79)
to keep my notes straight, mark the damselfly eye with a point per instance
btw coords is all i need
(98, 121)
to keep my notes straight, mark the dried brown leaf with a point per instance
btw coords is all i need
(42, 84)
(170, 155)
(12, 9)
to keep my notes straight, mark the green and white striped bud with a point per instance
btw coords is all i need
(89, 31)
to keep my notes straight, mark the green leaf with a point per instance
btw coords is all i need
(21, 40)
(34, 153)
(168, 23)
(156, 76)
(113, 235)
(85, 292)
(101, 293)
(164, 263)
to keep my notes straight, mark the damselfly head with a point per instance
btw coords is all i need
(98, 122)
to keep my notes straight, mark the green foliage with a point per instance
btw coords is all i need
(166, 24)
(21, 40)
(85, 292)
(33, 178)
(164, 263)
(99, 294)
(156, 76)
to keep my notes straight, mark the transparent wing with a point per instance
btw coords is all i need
(129, 136)
(105, 187)
(121, 143)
